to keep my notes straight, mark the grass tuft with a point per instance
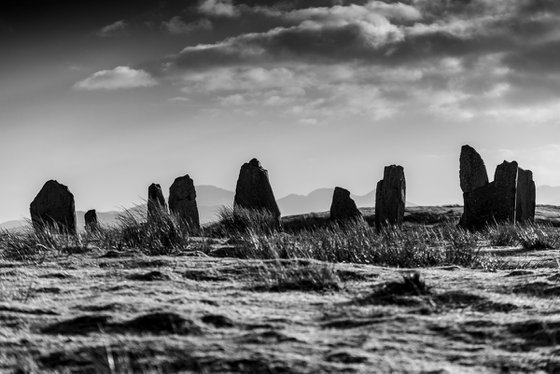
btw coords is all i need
(34, 245)
(502, 235)
(282, 276)
(240, 221)
(359, 243)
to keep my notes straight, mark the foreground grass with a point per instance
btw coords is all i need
(159, 314)
(150, 297)
(256, 235)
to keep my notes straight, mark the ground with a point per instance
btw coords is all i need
(123, 312)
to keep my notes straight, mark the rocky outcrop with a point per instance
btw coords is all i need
(390, 197)
(526, 196)
(156, 202)
(509, 198)
(182, 201)
(54, 207)
(472, 171)
(253, 190)
(91, 223)
(343, 208)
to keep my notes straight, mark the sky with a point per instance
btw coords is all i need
(107, 97)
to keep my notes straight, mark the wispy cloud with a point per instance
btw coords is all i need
(176, 26)
(222, 8)
(121, 77)
(116, 28)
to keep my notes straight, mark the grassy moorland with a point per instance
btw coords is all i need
(244, 296)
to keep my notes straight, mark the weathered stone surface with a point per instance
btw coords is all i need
(479, 207)
(253, 190)
(505, 182)
(526, 196)
(91, 223)
(343, 208)
(54, 207)
(182, 201)
(156, 202)
(390, 197)
(472, 171)
(494, 202)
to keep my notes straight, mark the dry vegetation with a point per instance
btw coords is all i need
(249, 297)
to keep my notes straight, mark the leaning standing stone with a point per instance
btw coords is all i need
(156, 202)
(182, 201)
(253, 190)
(343, 208)
(472, 171)
(90, 218)
(54, 207)
(390, 197)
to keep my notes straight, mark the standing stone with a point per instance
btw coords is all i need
(390, 197)
(505, 181)
(253, 190)
(156, 202)
(90, 218)
(472, 171)
(54, 207)
(494, 202)
(182, 201)
(343, 208)
(479, 207)
(526, 196)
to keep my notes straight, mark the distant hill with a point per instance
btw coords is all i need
(318, 201)
(211, 199)
(549, 195)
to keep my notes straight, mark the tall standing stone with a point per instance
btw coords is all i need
(182, 201)
(91, 223)
(472, 171)
(478, 194)
(526, 196)
(343, 207)
(54, 207)
(390, 197)
(156, 202)
(505, 182)
(253, 190)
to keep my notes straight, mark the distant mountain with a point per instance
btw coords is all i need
(14, 225)
(318, 201)
(548, 195)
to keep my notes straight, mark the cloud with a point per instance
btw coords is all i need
(455, 59)
(176, 26)
(121, 77)
(116, 28)
(220, 8)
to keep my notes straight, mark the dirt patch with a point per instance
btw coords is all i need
(519, 273)
(536, 333)
(461, 299)
(27, 310)
(408, 292)
(354, 276)
(541, 289)
(159, 323)
(82, 325)
(217, 320)
(57, 276)
(205, 276)
(347, 357)
(153, 323)
(150, 276)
